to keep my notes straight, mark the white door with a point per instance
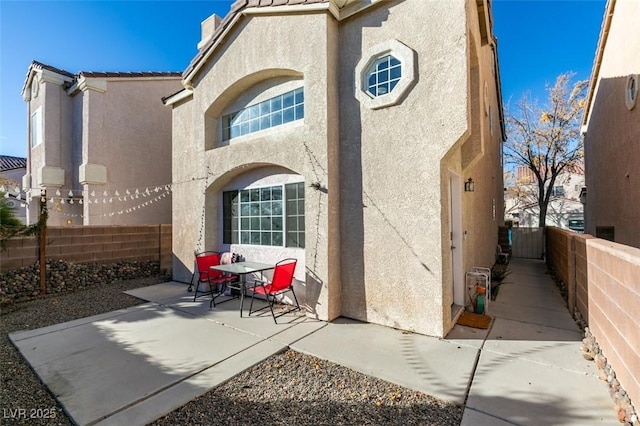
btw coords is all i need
(455, 226)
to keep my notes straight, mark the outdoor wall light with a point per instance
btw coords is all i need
(316, 186)
(469, 185)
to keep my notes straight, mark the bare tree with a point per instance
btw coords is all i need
(546, 140)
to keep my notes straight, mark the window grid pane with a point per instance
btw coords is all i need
(295, 215)
(384, 75)
(255, 216)
(261, 213)
(264, 115)
(231, 218)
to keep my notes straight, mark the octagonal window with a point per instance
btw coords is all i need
(384, 75)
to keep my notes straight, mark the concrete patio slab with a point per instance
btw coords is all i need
(543, 295)
(426, 364)
(159, 292)
(533, 315)
(544, 345)
(107, 365)
(529, 393)
(472, 417)
(227, 312)
(468, 336)
(176, 396)
(131, 366)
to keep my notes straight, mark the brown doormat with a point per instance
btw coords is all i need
(469, 319)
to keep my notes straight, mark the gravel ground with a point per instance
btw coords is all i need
(286, 389)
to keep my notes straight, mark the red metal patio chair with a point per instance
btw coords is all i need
(281, 283)
(215, 280)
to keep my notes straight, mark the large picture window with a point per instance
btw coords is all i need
(273, 112)
(262, 216)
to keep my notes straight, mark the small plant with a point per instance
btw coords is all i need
(499, 272)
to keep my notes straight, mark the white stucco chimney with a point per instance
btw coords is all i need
(208, 26)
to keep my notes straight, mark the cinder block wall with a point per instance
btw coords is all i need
(603, 279)
(102, 244)
(567, 258)
(581, 274)
(558, 250)
(614, 297)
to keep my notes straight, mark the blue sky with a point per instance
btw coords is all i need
(537, 40)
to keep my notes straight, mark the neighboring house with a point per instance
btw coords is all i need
(100, 145)
(564, 210)
(12, 169)
(611, 127)
(342, 133)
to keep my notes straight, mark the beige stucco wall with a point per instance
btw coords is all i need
(129, 131)
(55, 150)
(375, 230)
(126, 129)
(299, 147)
(612, 152)
(391, 198)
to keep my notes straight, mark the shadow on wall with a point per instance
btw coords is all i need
(313, 285)
(352, 203)
(181, 272)
(612, 138)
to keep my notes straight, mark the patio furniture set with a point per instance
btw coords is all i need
(222, 275)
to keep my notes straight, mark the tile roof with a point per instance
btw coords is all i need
(130, 74)
(35, 65)
(41, 66)
(8, 162)
(236, 8)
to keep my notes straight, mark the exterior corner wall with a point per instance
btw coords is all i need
(125, 129)
(391, 199)
(133, 146)
(613, 132)
(205, 165)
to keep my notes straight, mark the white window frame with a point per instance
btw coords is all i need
(35, 129)
(262, 115)
(393, 48)
(286, 214)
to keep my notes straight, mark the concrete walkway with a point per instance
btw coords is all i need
(530, 369)
(135, 365)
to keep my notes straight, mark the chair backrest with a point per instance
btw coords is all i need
(283, 274)
(204, 261)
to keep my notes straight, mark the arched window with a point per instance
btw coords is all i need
(278, 110)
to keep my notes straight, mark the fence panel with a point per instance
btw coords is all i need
(527, 243)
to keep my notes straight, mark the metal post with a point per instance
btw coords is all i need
(42, 220)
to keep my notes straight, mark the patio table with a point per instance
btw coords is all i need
(242, 269)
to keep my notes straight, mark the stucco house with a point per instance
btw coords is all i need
(344, 133)
(611, 127)
(564, 210)
(99, 145)
(12, 170)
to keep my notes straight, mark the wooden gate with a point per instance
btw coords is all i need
(527, 243)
